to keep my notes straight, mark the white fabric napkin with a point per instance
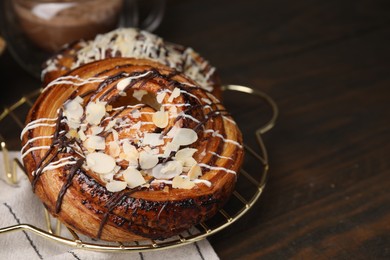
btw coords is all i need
(18, 205)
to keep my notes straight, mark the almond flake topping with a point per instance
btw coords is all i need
(147, 160)
(169, 148)
(95, 130)
(160, 97)
(110, 125)
(195, 172)
(133, 177)
(135, 113)
(95, 112)
(167, 170)
(160, 119)
(95, 142)
(181, 182)
(185, 136)
(114, 149)
(152, 139)
(100, 163)
(115, 186)
(73, 112)
(138, 94)
(130, 153)
(82, 135)
(185, 153)
(123, 84)
(175, 94)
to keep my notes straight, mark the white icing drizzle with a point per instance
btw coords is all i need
(215, 133)
(169, 182)
(27, 128)
(33, 124)
(206, 182)
(57, 164)
(189, 94)
(216, 168)
(182, 114)
(177, 105)
(229, 120)
(130, 79)
(220, 156)
(74, 80)
(161, 181)
(34, 149)
(34, 139)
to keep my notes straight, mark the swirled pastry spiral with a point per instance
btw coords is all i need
(124, 149)
(134, 43)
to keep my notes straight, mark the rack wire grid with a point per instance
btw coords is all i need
(250, 185)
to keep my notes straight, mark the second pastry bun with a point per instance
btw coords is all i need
(134, 43)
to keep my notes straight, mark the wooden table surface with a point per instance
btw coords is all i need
(327, 66)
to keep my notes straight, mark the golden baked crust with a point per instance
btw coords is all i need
(187, 172)
(134, 43)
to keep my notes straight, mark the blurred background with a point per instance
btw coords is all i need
(327, 65)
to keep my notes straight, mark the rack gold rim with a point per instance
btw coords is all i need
(204, 229)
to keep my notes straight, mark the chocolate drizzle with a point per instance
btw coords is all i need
(72, 172)
(116, 200)
(39, 170)
(41, 165)
(214, 113)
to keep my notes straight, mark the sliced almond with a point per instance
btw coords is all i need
(185, 153)
(173, 131)
(115, 186)
(115, 134)
(95, 130)
(173, 111)
(110, 125)
(123, 84)
(147, 160)
(189, 162)
(95, 111)
(133, 177)
(114, 148)
(138, 94)
(160, 119)
(135, 113)
(82, 135)
(128, 147)
(175, 93)
(195, 172)
(130, 153)
(160, 97)
(169, 148)
(168, 170)
(73, 111)
(185, 136)
(152, 139)
(181, 182)
(100, 162)
(95, 142)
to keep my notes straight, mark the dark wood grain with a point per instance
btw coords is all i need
(327, 65)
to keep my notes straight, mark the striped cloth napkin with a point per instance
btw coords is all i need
(18, 205)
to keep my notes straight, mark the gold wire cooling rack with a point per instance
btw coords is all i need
(249, 187)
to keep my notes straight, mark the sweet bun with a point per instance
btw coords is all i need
(125, 149)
